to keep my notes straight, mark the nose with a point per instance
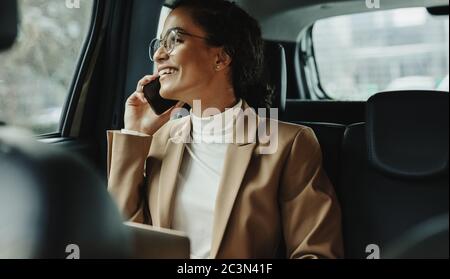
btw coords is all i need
(160, 55)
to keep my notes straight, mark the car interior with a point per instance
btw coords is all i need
(385, 153)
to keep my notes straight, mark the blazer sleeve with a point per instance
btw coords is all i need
(126, 159)
(310, 212)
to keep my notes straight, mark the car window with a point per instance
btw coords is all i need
(36, 72)
(165, 11)
(362, 54)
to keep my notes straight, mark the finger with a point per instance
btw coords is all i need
(148, 78)
(151, 77)
(136, 98)
(141, 97)
(140, 87)
(144, 81)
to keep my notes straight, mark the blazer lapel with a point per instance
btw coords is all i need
(169, 171)
(167, 182)
(237, 159)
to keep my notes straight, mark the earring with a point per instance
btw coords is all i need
(217, 67)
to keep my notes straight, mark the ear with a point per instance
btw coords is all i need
(223, 59)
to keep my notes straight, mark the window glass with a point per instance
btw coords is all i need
(362, 54)
(36, 72)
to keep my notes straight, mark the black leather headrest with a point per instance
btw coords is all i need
(407, 132)
(50, 199)
(276, 73)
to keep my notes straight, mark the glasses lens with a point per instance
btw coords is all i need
(170, 40)
(153, 47)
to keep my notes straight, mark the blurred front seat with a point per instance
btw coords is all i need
(50, 200)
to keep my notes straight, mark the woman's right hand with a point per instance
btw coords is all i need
(139, 116)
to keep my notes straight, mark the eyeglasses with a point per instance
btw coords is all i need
(170, 40)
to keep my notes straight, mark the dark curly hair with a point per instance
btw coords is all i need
(229, 26)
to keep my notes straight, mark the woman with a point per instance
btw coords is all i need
(234, 199)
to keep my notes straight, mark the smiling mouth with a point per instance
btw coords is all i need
(167, 72)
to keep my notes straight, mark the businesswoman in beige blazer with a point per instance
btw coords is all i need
(234, 199)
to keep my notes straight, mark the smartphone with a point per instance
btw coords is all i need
(156, 102)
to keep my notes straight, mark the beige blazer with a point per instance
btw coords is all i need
(266, 203)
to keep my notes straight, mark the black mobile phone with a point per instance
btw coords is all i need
(157, 103)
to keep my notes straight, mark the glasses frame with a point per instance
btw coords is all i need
(162, 42)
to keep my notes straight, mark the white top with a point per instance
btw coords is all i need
(199, 178)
